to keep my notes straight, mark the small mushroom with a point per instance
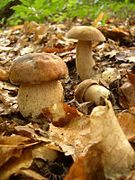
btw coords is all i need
(90, 90)
(38, 75)
(84, 60)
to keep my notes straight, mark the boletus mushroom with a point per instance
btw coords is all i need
(38, 75)
(90, 91)
(84, 60)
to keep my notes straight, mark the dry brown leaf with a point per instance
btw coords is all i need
(8, 147)
(29, 174)
(116, 34)
(12, 146)
(16, 163)
(58, 50)
(118, 155)
(34, 133)
(131, 77)
(13, 140)
(131, 176)
(25, 131)
(110, 75)
(3, 75)
(87, 167)
(17, 27)
(45, 153)
(127, 122)
(74, 137)
(127, 95)
(38, 30)
(100, 127)
(60, 114)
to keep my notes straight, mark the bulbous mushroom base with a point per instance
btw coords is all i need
(32, 98)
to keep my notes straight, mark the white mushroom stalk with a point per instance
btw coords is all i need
(84, 59)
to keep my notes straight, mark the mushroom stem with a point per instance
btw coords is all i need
(32, 98)
(95, 93)
(84, 59)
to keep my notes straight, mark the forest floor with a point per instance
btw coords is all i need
(24, 141)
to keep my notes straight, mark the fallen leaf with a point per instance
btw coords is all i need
(87, 167)
(110, 75)
(127, 122)
(131, 176)
(101, 126)
(127, 95)
(118, 156)
(8, 147)
(60, 114)
(3, 75)
(15, 164)
(28, 174)
(131, 77)
(12, 146)
(34, 133)
(45, 153)
(57, 50)
(38, 30)
(73, 138)
(26, 50)
(116, 34)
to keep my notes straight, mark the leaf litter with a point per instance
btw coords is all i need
(34, 148)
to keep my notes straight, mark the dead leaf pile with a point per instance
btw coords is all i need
(101, 127)
(25, 148)
(97, 144)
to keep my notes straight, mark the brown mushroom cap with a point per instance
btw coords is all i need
(35, 68)
(87, 33)
(82, 88)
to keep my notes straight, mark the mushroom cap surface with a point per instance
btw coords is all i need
(86, 33)
(36, 68)
(82, 88)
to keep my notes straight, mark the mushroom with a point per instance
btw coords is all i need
(38, 75)
(90, 90)
(84, 60)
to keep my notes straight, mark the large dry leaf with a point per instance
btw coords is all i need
(100, 127)
(117, 34)
(118, 155)
(45, 153)
(33, 132)
(131, 77)
(29, 174)
(15, 164)
(3, 75)
(127, 122)
(88, 167)
(127, 95)
(10, 147)
(74, 137)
